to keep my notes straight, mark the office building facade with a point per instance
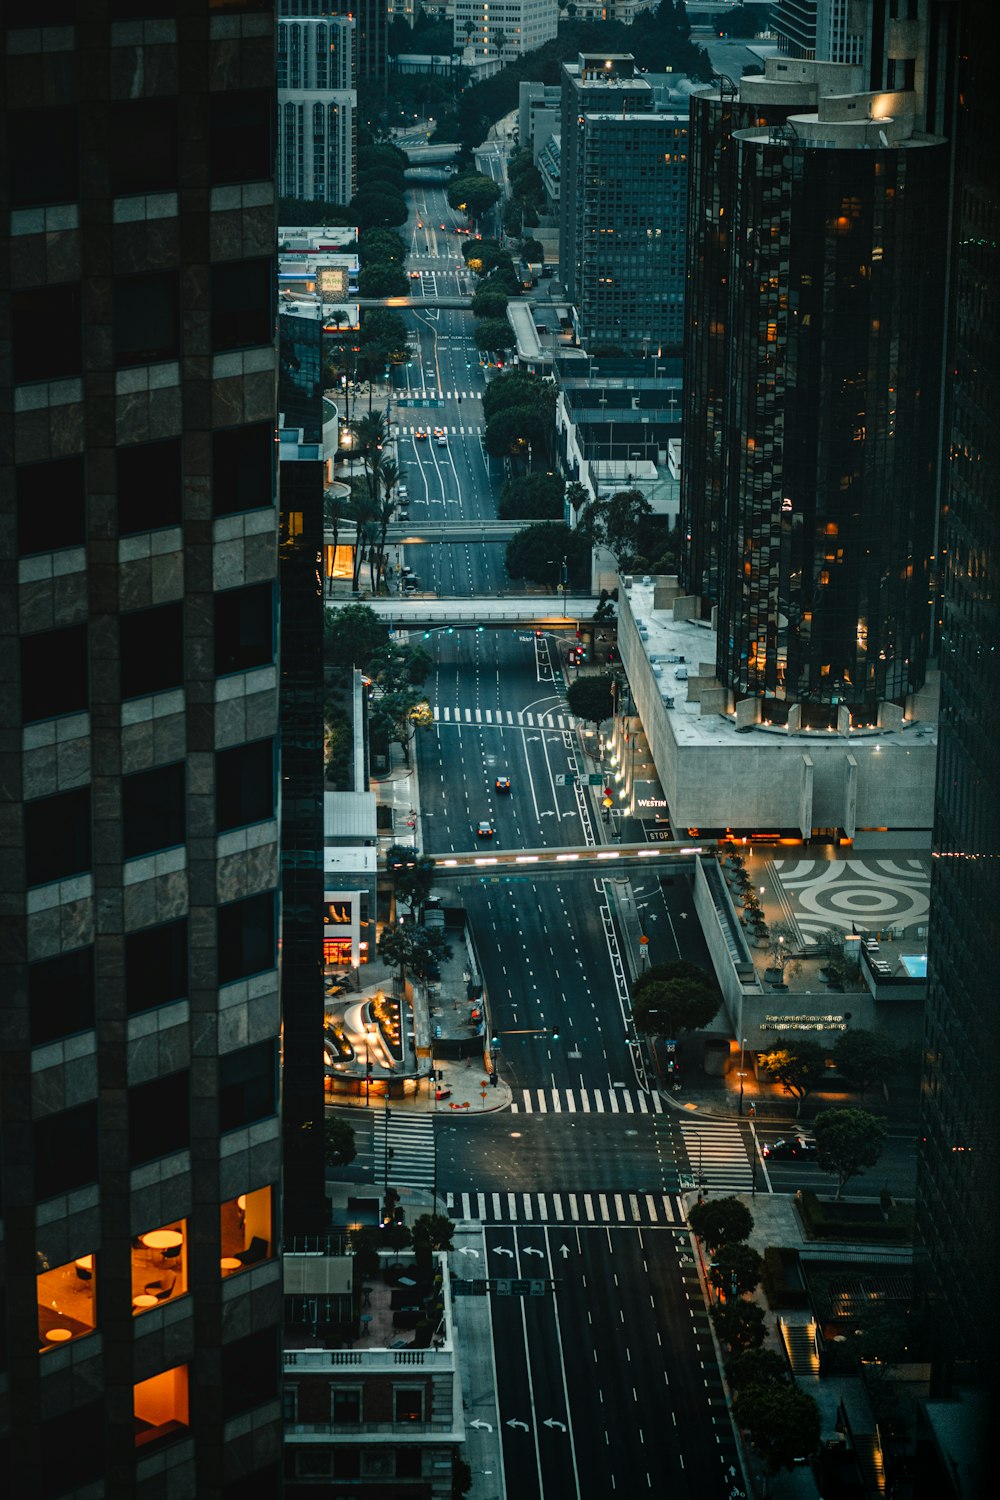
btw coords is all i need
(631, 198)
(139, 1020)
(317, 109)
(506, 30)
(372, 17)
(958, 1189)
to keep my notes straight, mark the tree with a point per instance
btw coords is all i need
(418, 950)
(847, 1141)
(723, 1221)
(383, 280)
(383, 336)
(518, 431)
(576, 494)
(489, 302)
(494, 334)
(589, 698)
(737, 1270)
(533, 251)
(795, 1062)
(536, 554)
(614, 523)
(866, 1058)
(740, 1325)
(781, 1422)
(472, 195)
(338, 1142)
(372, 209)
(532, 497)
(674, 997)
(376, 246)
(756, 1367)
(518, 389)
(412, 873)
(353, 636)
(433, 1230)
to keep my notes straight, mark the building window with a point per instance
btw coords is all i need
(246, 937)
(46, 333)
(156, 966)
(249, 1372)
(43, 156)
(143, 144)
(54, 673)
(313, 1463)
(246, 1234)
(151, 646)
(153, 810)
(244, 785)
(158, 1118)
(65, 1150)
(346, 1405)
(146, 321)
(407, 1403)
(290, 1403)
(244, 629)
(242, 304)
(159, 1266)
(67, 1300)
(51, 510)
(72, 1447)
(242, 468)
(248, 1085)
(161, 1406)
(148, 486)
(61, 996)
(240, 135)
(57, 836)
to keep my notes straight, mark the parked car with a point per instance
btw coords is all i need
(795, 1148)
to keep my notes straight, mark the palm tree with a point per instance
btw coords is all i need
(365, 516)
(389, 475)
(500, 40)
(371, 437)
(336, 508)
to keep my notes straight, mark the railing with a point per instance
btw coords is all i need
(441, 1360)
(344, 1430)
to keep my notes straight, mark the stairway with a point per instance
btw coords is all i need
(800, 1347)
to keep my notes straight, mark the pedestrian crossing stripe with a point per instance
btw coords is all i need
(503, 717)
(587, 1101)
(717, 1152)
(403, 1149)
(408, 431)
(568, 1209)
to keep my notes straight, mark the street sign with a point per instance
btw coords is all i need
(503, 1286)
(418, 401)
(595, 779)
(566, 779)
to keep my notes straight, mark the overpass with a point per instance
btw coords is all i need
(553, 612)
(598, 860)
(447, 300)
(416, 534)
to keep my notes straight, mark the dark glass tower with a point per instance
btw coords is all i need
(959, 1176)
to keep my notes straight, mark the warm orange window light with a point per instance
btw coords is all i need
(67, 1301)
(159, 1265)
(245, 1231)
(161, 1405)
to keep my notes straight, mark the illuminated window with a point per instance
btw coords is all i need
(161, 1405)
(67, 1300)
(245, 1231)
(159, 1266)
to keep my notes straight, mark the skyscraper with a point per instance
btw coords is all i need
(139, 1134)
(317, 109)
(959, 1175)
(821, 482)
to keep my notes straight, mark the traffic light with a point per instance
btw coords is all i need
(555, 1033)
(493, 1079)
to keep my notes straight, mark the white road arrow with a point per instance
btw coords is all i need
(479, 1424)
(464, 1250)
(549, 814)
(551, 1422)
(502, 1250)
(530, 1250)
(515, 1423)
(564, 1251)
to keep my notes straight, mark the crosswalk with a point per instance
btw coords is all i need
(410, 1149)
(586, 1102)
(431, 393)
(503, 717)
(407, 429)
(717, 1153)
(567, 1208)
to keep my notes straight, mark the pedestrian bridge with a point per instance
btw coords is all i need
(589, 859)
(415, 534)
(551, 611)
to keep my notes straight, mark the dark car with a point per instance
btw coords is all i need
(484, 830)
(795, 1148)
(503, 785)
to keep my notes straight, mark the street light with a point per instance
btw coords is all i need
(743, 1048)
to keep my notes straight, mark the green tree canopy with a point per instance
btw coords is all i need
(472, 195)
(373, 209)
(590, 699)
(681, 992)
(494, 334)
(518, 389)
(796, 1062)
(376, 246)
(383, 338)
(489, 302)
(384, 280)
(739, 1324)
(721, 1221)
(614, 523)
(515, 431)
(533, 251)
(433, 1230)
(781, 1422)
(412, 873)
(536, 553)
(756, 1367)
(532, 497)
(338, 1142)
(353, 636)
(409, 948)
(737, 1270)
(847, 1141)
(866, 1058)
